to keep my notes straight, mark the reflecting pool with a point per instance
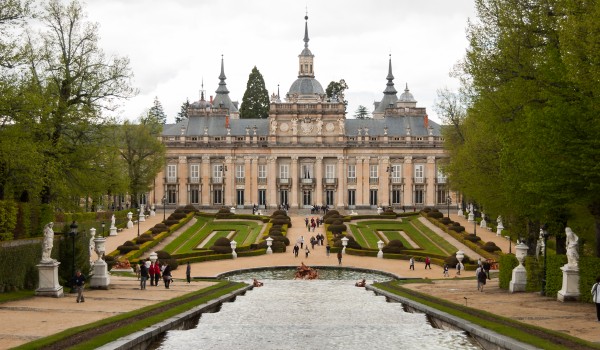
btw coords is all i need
(317, 314)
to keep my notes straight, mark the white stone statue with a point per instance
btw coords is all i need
(273, 126)
(342, 125)
(48, 243)
(295, 126)
(112, 221)
(572, 245)
(319, 126)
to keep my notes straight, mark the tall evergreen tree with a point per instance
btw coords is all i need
(361, 113)
(255, 103)
(183, 112)
(156, 114)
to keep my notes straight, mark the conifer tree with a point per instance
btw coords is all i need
(183, 112)
(255, 103)
(156, 112)
(361, 113)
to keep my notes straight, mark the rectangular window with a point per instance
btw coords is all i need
(441, 177)
(262, 171)
(396, 197)
(307, 172)
(419, 195)
(373, 171)
(217, 197)
(373, 197)
(262, 197)
(171, 173)
(441, 195)
(419, 173)
(195, 173)
(171, 194)
(396, 173)
(217, 173)
(329, 171)
(329, 197)
(240, 197)
(351, 171)
(194, 194)
(351, 197)
(239, 171)
(284, 171)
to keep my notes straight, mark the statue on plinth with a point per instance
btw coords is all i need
(48, 243)
(112, 221)
(572, 246)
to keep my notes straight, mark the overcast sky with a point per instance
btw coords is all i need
(174, 44)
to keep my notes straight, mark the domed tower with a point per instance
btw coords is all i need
(389, 95)
(306, 88)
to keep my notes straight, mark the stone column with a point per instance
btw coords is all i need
(342, 182)
(182, 181)
(430, 186)
(252, 177)
(408, 174)
(319, 180)
(384, 180)
(272, 176)
(206, 176)
(248, 185)
(229, 183)
(294, 182)
(360, 182)
(366, 184)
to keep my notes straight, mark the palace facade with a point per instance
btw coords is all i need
(305, 153)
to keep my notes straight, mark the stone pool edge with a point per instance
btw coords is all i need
(484, 336)
(141, 339)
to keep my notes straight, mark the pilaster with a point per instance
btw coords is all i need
(319, 181)
(408, 174)
(294, 182)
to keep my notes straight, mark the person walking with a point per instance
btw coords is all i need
(156, 273)
(296, 250)
(306, 251)
(328, 249)
(481, 278)
(446, 273)
(143, 275)
(151, 273)
(459, 267)
(188, 273)
(79, 283)
(427, 263)
(596, 296)
(166, 275)
(411, 263)
(339, 256)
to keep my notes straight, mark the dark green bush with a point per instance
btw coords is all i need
(283, 239)
(189, 208)
(394, 246)
(445, 220)
(554, 274)
(435, 214)
(507, 263)
(491, 247)
(589, 269)
(165, 258)
(457, 229)
(279, 212)
(452, 261)
(223, 242)
(170, 222)
(332, 212)
(337, 242)
(426, 210)
(224, 210)
(127, 247)
(177, 216)
(281, 221)
(473, 238)
(144, 238)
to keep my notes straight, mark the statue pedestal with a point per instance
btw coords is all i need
(113, 231)
(519, 279)
(471, 217)
(48, 284)
(570, 284)
(129, 224)
(142, 218)
(101, 278)
(460, 213)
(152, 213)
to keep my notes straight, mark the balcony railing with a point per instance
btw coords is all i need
(194, 180)
(419, 180)
(441, 180)
(305, 181)
(351, 180)
(396, 180)
(240, 180)
(262, 180)
(284, 181)
(171, 180)
(216, 180)
(373, 180)
(330, 181)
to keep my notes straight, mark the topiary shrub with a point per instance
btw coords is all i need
(158, 228)
(426, 210)
(171, 222)
(179, 210)
(337, 242)
(458, 228)
(281, 221)
(189, 209)
(177, 216)
(221, 246)
(275, 230)
(279, 212)
(127, 247)
(331, 219)
(435, 214)
(473, 238)
(337, 227)
(394, 246)
(283, 239)
(445, 220)
(110, 261)
(332, 212)
(146, 237)
(491, 247)
(452, 261)
(224, 210)
(165, 258)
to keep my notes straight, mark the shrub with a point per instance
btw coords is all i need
(281, 221)
(507, 263)
(158, 228)
(275, 231)
(224, 210)
(276, 246)
(177, 215)
(179, 210)
(166, 258)
(127, 247)
(223, 242)
(170, 222)
(189, 208)
(331, 219)
(337, 227)
(279, 212)
(457, 229)
(445, 220)
(331, 213)
(426, 210)
(337, 242)
(110, 261)
(452, 261)
(146, 237)
(435, 214)
(394, 246)
(473, 238)
(491, 247)
(283, 239)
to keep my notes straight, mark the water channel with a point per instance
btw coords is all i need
(318, 314)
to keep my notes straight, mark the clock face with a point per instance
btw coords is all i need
(329, 127)
(284, 127)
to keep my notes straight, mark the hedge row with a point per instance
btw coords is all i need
(507, 263)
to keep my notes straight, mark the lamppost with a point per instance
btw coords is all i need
(474, 221)
(448, 202)
(509, 249)
(164, 208)
(102, 224)
(544, 233)
(139, 214)
(73, 234)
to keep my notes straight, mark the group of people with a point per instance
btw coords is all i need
(313, 223)
(316, 209)
(153, 271)
(411, 263)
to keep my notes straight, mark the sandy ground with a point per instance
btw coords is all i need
(41, 316)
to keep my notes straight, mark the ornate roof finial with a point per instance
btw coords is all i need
(306, 39)
(389, 89)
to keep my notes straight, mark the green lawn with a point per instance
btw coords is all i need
(444, 245)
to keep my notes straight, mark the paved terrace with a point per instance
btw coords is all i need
(40, 316)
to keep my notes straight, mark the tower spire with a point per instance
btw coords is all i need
(306, 68)
(306, 39)
(389, 88)
(222, 89)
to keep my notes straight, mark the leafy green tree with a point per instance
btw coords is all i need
(156, 114)
(361, 113)
(144, 155)
(255, 103)
(336, 89)
(183, 112)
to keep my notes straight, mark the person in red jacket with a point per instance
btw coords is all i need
(157, 273)
(151, 273)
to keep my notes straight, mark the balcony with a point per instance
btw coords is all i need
(351, 180)
(396, 180)
(285, 181)
(305, 181)
(373, 181)
(419, 180)
(194, 180)
(441, 180)
(171, 180)
(216, 180)
(262, 181)
(330, 181)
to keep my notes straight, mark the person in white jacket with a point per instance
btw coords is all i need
(596, 296)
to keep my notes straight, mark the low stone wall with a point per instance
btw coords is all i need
(488, 340)
(143, 339)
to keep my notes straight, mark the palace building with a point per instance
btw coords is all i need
(305, 153)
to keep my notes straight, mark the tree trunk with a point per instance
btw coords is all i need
(594, 208)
